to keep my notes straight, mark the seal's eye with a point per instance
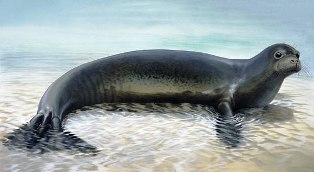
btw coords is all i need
(298, 55)
(278, 55)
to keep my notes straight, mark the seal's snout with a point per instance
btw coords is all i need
(289, 65)
(294, 61)
(296, 64)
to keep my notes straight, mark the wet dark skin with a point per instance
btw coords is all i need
(169, 76)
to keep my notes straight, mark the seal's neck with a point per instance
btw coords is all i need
(261, 68)
(259, 72)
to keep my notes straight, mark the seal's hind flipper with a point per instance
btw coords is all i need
(45, 120)
(26, 138)
(36, 120)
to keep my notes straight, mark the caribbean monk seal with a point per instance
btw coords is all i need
(169, 76)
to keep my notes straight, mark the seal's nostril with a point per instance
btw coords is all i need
(294, 61)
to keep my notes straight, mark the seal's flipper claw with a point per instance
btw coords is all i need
(46, 124)
(56, 124)
(36, 120)
(43, 129)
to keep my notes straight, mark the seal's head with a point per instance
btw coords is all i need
(285, 59)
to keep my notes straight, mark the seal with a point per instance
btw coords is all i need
(169, 76)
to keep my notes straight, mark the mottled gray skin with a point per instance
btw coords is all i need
(169, 76)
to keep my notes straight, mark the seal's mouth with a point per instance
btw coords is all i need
(297, 68)
(294, 64)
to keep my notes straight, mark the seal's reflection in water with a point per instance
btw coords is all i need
(228, 129)
(25, 138)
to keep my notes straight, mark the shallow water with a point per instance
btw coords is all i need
(164, 137)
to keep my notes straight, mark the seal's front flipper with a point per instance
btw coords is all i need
(228, 128)
(225, 109)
